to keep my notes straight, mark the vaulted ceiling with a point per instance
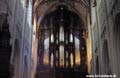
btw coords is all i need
(80, 7)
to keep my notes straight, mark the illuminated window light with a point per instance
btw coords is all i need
(71, 38)
(52, 38)
(61, 55)
(71, 60)
(52, 60)
(61, 34)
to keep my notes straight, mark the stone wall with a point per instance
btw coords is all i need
(20, 21)
(102, 30)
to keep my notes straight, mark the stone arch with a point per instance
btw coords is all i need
(53, 8)
(55, 4)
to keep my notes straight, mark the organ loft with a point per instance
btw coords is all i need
(62, 44)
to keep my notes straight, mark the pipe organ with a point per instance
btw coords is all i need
(61, 41)
(60, 47)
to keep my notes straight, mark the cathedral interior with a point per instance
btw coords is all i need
(59, 38)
